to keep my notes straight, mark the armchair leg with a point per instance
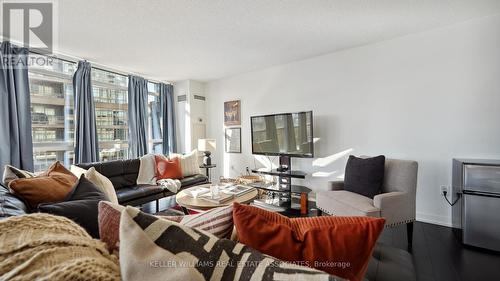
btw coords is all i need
(319, 213)
(409, 230)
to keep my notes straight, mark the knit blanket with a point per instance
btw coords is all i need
(48, 247)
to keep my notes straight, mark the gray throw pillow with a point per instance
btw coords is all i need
(11, 173)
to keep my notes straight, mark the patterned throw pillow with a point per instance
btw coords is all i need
(156, 249)
(218, 221)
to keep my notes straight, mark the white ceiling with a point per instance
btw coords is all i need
(210, 39)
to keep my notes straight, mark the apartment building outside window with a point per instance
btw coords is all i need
(110, 92)
(52, 119)
(52, 114)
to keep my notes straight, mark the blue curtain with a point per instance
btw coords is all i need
(137, 116)
(86, 142)
(168, 115)
(16, 143)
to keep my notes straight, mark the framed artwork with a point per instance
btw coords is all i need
(233, 140)
(232, 113)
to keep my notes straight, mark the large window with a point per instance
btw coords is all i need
(111, 98)
(52, 113)
(155, 123)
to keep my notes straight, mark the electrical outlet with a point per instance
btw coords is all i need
(444, 188)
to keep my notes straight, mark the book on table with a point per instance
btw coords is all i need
(220, 199)
(198, 191)
(236, 190)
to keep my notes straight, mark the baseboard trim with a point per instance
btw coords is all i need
(434, 219)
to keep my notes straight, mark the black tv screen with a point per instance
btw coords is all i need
(289, 134)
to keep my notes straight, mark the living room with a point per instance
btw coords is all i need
(238, 140)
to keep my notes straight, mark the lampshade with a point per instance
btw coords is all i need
(206, 145)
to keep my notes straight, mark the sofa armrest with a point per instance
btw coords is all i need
(396, 207)
(337, 185)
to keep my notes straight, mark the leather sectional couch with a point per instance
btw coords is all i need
(123, 174)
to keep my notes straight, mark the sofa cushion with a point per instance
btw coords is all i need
(80, 206)
(338, 245)
(133, 192)
(346, 203)
(193, 180)
(11, 205)
(122, 173)
(52, 185)
(155, 249)
(364, 176)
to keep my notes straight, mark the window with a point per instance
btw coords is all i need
(52, 109)
(111, 98)
(155, 122)
(51, 93)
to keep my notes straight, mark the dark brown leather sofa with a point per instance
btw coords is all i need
(123, 174)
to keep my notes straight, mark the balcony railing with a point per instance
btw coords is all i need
(44, 119)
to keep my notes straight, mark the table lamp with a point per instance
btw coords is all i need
(207, 146)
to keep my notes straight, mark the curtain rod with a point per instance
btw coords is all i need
(67, 58)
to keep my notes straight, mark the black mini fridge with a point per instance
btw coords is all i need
(476, 216)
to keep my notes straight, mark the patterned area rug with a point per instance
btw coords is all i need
(170, 212)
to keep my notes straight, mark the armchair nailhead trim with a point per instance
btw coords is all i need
(387, 225)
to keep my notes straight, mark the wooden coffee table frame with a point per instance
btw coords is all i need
(187, 202)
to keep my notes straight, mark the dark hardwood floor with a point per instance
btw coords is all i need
(439, 256)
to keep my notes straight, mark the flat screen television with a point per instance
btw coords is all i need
(284, 134)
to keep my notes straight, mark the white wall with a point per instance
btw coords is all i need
(190, 122)
(429, 97)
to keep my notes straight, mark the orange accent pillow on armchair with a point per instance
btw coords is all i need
(341, 246)
(168, 168)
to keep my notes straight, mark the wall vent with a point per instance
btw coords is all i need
(196, 97)
(181, 98)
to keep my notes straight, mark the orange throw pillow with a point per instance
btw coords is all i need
(50, 186)
(168, 168)
(341, 246)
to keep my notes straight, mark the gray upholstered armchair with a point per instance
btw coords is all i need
(396, 203)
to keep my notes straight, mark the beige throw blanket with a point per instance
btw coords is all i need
(47, 247)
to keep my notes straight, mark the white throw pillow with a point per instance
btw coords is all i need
(189, 163)
(102, 182)
(77, 171)
(147, 170)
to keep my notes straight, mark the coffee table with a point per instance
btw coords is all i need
(187, 202)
